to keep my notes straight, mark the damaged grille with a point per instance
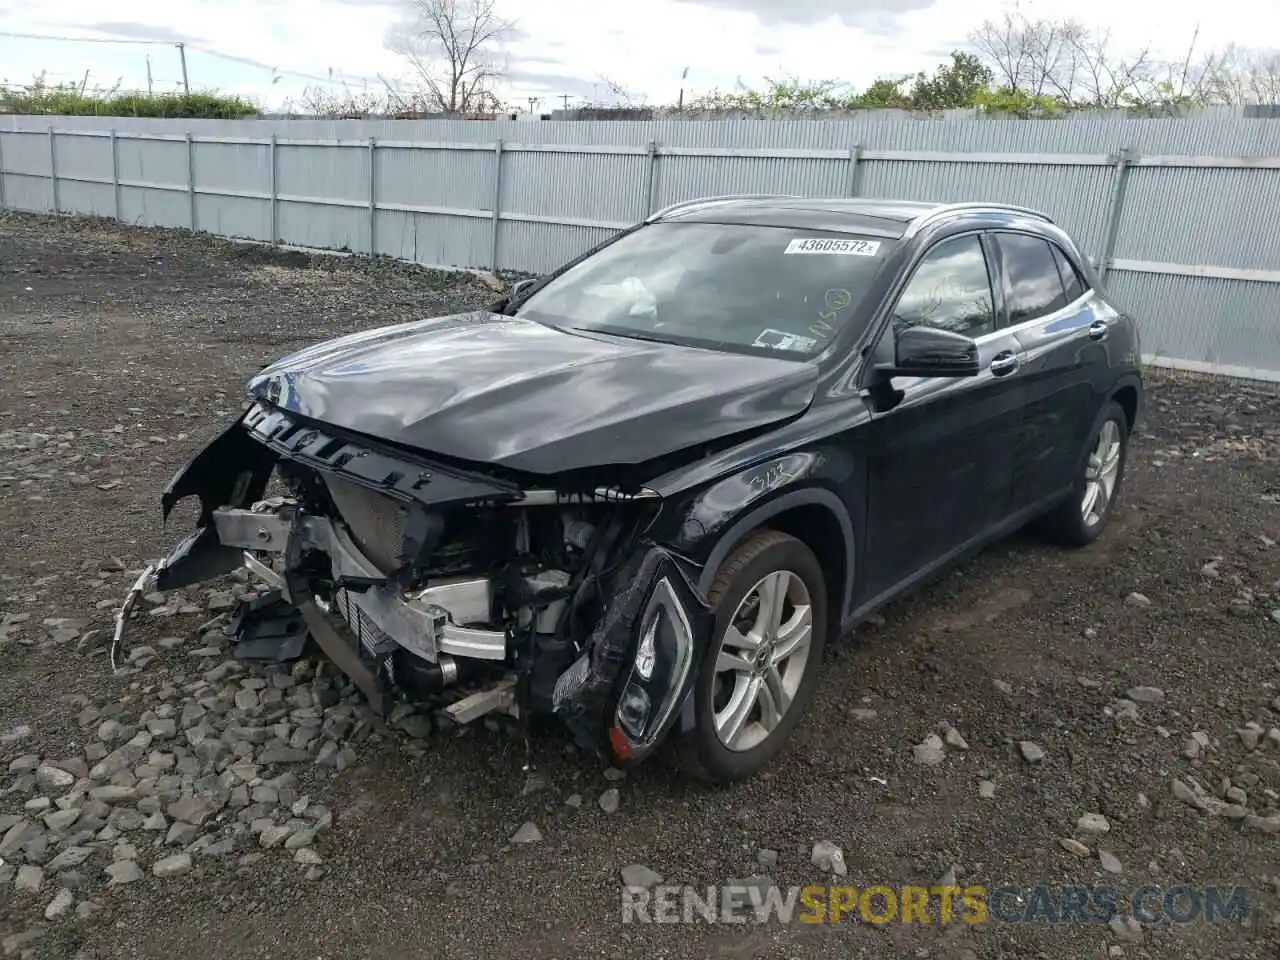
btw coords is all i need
(376, 521)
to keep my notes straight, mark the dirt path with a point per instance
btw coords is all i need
(122, 351)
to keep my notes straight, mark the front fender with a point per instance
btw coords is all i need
(713, 522)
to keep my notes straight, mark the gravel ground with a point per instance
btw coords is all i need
(190, 805)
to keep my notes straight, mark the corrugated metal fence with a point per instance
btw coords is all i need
(1180, 214)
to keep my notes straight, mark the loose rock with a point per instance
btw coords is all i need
(1146, 694)
(954, 739)
(62, 902)
(1093, 824)
(172, 866)
(638, 876)
(829, 858)
(123, 871)
(29, 879)
(930, 752)
(53, 779)
(528, 833)
(1127, 929)
(1251, 736)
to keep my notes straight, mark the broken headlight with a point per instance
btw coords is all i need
(664, 656)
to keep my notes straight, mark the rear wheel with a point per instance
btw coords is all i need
(759, 672)
(1080, 519)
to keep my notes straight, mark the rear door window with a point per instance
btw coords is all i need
(1072, 282)
(1032, 284)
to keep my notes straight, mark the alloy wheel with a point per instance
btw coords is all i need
(762, 659)
(1100, 474)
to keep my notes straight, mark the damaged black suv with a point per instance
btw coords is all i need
(640, 493)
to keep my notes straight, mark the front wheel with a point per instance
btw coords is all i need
(1079, 519)
(760, 669)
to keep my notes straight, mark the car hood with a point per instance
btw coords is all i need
(495, 389)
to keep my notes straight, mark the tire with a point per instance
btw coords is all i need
(1067, 523)
(793, 571)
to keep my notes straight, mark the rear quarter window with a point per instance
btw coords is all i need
(1072, 282)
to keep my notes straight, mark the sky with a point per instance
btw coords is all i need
(274, 50)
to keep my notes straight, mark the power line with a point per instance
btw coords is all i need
(208, 51)
(249, 61)
(45, 36)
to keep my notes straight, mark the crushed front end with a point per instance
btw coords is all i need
(419, 578)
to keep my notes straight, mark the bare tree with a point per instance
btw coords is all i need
(455, 50)
(1102, 78)
(1024, 55)
(1080, 67)
(1240, 75)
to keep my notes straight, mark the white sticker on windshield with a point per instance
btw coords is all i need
(844, 246)
(781, 340)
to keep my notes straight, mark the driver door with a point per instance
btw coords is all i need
(940, 462)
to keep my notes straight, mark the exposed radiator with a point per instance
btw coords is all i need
(376, 521)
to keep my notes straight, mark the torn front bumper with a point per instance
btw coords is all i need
(423, 622)
(622, 693)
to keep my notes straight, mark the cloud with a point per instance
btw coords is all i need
(554, 84)
(563, 46)
(808, 12)
(140, 31)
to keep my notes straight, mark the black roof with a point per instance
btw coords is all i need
(882, 218)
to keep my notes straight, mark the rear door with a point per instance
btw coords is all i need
(1061, 330)
(940, 462)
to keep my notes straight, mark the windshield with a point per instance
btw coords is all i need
(727, 286)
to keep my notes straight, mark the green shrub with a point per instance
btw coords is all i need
(69, 100)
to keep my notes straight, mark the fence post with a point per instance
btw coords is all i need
(650, 178)
(275, 221)
(53, 171)
(373, 198)
(115, 174)
(191, 180)
(1115, 207)
(855, 155)
(2, 203)
(497, 202)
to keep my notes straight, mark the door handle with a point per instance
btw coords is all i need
(1004, 363)
(1098, 330)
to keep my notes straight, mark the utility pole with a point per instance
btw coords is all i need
(148, 74)
(182, 55)
(565, 98)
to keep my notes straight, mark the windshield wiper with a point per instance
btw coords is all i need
(625, 335)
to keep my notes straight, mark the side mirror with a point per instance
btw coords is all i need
(521, 287)
(930, 352)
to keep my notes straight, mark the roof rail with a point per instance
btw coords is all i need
(710, 201)
(948, 209)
